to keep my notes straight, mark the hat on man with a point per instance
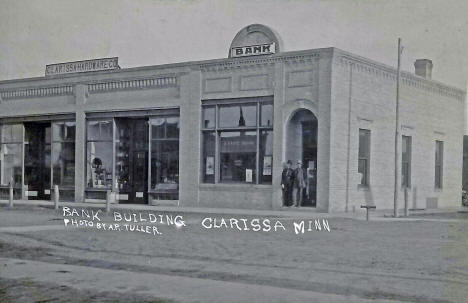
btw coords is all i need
(289, 162)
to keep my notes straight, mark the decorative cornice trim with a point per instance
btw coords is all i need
(36, 92)
(407, 79)
(132, 84)
(256, 62)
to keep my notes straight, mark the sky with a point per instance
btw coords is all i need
(35, 33)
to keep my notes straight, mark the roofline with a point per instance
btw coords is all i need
(200, 63)
(391, 69)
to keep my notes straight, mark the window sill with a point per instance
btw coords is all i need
(98, 189)
(235, 187)
(363, 187)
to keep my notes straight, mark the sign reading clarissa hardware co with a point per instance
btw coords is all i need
(253, 50)
(82, 66)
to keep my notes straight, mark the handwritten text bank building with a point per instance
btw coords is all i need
(216, 133)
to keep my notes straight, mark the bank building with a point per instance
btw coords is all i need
(216, 133)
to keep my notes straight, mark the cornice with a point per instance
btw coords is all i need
(257, 62)
(407, 79)
(132, 84)
(97, 86)
(37, 92)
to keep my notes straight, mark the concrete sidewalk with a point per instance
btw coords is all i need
(285, 212)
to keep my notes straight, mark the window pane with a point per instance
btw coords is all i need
(439, 164)
(63, 131)
(238, 115)
(266, 114)
(406, 161)
(10, 164)
(11, 133)
(64, 164)
(165, 168)
(364, 155)
(238, 156)
(158, 128)
(362, 169)
(99, 164)
(364, 140)
(209, 143)
(266, 156)
(172, 124)
(100, 130)
(208, 117)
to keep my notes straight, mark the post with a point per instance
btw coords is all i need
(406, 203)
(108, 198)
(397, 126)
(56, 197)
(367, 214)
(10, 204)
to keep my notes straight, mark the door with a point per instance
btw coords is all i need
(37, 160)
(131, 160)
(309, 158)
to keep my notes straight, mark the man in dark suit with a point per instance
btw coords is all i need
(287, 179)
(299, 184)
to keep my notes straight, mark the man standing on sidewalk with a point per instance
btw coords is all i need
(299, 184)
(287, 178)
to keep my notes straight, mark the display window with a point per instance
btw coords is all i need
(137, 157)
(164, 157)
(99, 154)
(237, 141)
(63, 154)
(11, 151)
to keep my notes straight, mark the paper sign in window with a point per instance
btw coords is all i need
(210, 165)
(248, 175)
(267, 166)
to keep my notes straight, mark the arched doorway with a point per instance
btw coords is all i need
(301, 144)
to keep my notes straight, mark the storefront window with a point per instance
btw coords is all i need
(266, 114)
(209, 117)
(63, 153)
(11, 133)
(64, 163)
(235, 144)
(99, 154)
(11, 152)
(266, 156)
(165, 157)
(238, 115)
(63, 131)
(238, 156)
(209, 145)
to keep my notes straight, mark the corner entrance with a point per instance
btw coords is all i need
(301, 144)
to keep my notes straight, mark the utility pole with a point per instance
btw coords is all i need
(397, 132)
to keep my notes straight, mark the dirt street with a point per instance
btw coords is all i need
(202, 259)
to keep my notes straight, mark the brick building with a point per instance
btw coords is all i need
(216, 133)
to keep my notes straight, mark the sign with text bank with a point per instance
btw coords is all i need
(253, 50)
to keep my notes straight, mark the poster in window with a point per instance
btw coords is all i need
(248, 175)
(267, 166)
(210, 165)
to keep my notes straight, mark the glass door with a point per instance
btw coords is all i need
(131, 164)
(37, 154)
